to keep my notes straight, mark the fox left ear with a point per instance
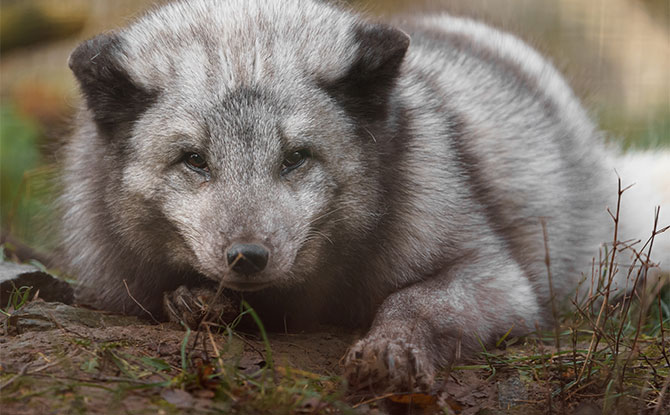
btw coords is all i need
(365, 87)
(111, 94)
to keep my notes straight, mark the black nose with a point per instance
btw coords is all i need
(247, 258)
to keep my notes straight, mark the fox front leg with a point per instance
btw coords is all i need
(192, 306)
(429, 324)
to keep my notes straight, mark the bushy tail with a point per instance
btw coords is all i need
(648, 174)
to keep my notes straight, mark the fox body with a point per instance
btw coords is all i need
(391, 177)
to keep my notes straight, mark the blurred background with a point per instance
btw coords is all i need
(615, 53)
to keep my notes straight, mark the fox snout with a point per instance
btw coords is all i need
(247, 259)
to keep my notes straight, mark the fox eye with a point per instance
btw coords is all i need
(196, 162)
(294, 160)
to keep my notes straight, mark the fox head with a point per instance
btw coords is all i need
(241, 138)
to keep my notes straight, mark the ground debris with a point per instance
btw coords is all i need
(511, 391)
(40, 316)
(14, 276)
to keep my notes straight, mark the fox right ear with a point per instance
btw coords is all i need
(364, 88)
(111, 94)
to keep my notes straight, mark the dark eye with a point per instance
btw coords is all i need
(196, 161)
(294, 160)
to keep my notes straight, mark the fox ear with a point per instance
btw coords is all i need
(365, 87)
(114, 99)
(381, 52)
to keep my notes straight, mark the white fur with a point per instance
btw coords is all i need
(648, 175)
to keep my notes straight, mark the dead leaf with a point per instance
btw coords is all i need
(179, 398)
(420, 399)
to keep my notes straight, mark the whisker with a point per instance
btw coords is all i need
(313, 233)
(326, 214)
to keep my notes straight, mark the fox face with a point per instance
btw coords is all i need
(249, 188)
(249, 173)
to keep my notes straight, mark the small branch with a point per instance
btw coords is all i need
(660, 317)
(661, 396)
(643, 303)
(125, 283)
(595, 339)
(22, 372)
(557, 331)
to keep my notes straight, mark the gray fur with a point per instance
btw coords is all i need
(419, 212)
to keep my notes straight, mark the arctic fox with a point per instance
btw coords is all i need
(341, 170)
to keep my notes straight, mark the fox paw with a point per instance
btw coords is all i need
(388, 365)
(190, 306)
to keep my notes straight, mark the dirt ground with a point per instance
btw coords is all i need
(66, 359)
(60, 359)
(63, 359)
(46, 345)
